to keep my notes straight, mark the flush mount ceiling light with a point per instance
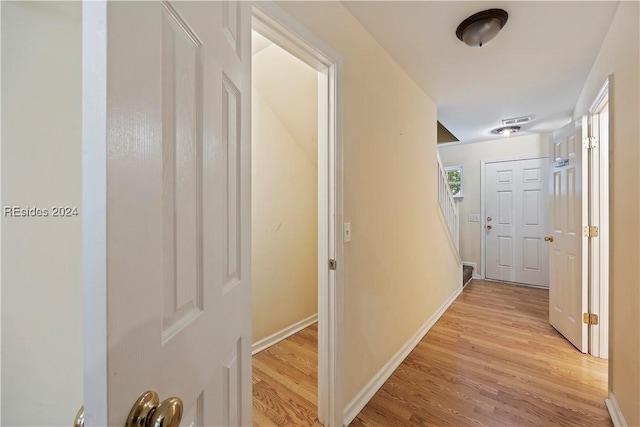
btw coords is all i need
(506, 130)
(480, 28)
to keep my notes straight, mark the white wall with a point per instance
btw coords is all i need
(284, 191)
(469, 157)
(399, 268)
(619, 56)
(41, 291)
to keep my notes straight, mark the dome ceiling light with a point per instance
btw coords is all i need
(506, 130)
(480, 28)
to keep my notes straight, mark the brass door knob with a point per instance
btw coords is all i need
(79, 420)
(548, 238)
(148, 411)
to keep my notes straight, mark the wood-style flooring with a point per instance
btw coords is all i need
(491, 360)
(285, 382)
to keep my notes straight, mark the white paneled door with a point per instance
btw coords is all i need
(516, 199)
(568, 298)
(166, 182)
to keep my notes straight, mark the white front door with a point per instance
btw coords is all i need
(166, 198)
(568, 214)
(516, 221)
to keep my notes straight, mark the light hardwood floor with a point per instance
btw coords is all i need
(492, 360)
(285, 382)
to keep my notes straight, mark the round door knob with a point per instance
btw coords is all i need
(148, 411)
(168, 414)
(489, 227)
(548, 238)
(79, 420)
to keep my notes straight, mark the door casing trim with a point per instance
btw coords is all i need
(274, 23)
(599, 215)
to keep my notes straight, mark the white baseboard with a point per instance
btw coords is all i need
(615, 412)
(285, 333)
(363, 397)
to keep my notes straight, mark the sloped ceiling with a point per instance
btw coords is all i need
(290, 87)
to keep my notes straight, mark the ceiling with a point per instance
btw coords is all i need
(536, 65)
(290, 88)
(259, 43)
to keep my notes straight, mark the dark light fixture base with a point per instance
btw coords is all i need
(480, 28)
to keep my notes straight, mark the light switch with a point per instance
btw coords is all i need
(474, 217)
(347, 232)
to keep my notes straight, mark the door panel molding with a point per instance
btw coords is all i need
(568, 297)
(515, 183)
(166, 175)
(483, 216)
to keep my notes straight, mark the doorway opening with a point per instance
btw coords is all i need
(296, 108)
(578, 227)
(284, 224)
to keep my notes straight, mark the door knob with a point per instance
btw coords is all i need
(489, 227)
(79, 421)
(548, 238)
(148, 411)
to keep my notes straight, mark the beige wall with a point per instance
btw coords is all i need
(469, 156)
(397, 272)
(284, 191)
(620, 56)
(41, 290)
(399, 268)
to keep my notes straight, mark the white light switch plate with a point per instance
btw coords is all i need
(474, 217)
(347, 232)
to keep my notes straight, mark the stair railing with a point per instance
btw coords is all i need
(448, 204)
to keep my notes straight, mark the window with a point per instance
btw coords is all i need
(454, 178)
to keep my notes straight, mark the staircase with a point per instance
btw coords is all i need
(449, 209)
(448, 205)
(467, 274)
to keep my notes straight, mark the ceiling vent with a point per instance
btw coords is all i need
(517, 120)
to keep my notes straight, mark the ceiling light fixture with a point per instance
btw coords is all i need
(506, 130)
(480, 28)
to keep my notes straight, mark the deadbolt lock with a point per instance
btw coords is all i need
(548, 239)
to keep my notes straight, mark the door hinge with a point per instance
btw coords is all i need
(333, 264)
(590, 231)
(590, 142)
(590, 319)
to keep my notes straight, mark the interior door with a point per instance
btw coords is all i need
(166, 182)
(568, 251)
(516, 221)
